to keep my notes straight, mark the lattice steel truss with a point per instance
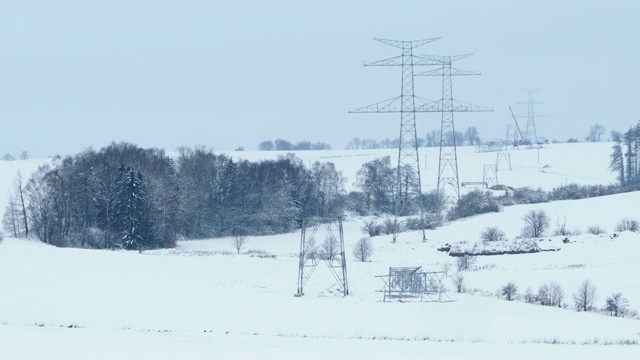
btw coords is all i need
(490, 175)
(411, 283)
(407, 104)
(503, 157)
(331, 252)
(530, 133)
(448, 160)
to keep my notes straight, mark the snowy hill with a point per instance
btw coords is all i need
(201, 300)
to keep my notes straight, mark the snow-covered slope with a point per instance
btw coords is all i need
(200, 300)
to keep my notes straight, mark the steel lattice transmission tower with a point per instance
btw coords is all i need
(530, 131)
(448, 159)
(407, 104)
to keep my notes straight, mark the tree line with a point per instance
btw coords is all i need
(284, 145)
(470, 136)
(123, 195)
(624, 159)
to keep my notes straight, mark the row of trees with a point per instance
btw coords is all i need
(284, 145)
(432, 139)
(141, 198)
(23, 156)
(584, 299)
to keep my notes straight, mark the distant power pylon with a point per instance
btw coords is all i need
(407, 104)
(530, 132)
(448, 160)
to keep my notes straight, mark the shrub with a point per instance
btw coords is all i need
(473, 203)
(627, 224)
(388, 226)
(492, 234)
(433, 201)
(371, 228)
(536, 224)
(458, 281)
(595, 230)
(529, 296)
(431, 221)
(529, 196)
(363, 249)
(509, 291)
(616, 304)
(569, 192)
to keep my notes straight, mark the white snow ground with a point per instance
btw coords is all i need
(200, 300)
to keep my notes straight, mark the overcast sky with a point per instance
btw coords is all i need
(75, 74)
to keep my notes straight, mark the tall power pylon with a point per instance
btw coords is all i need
(407, 104)
(530, 132)
(448, 160)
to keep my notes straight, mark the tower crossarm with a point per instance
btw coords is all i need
(447, 60)
(386, 106)
(398, 61)
(400, 44)
(394, 105)
(459, 106)
(441, 72)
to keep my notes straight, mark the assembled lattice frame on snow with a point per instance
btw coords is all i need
(411, 283)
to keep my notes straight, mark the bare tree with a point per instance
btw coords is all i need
(458, 281)
(556, 294)
(18, 186)
(329, 249)
(585, 296)
(536, 224)
(445, 269)
(551, 294)
(11, 218)
(543, 295)
(328, 188)
(471, 136)
(363, 249)
(561, 228)
(509, 291)
(24, 155)
(595, 133)
(492, 234)
(239, 242)
(616, 304)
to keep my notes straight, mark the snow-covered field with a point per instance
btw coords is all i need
(201, 300)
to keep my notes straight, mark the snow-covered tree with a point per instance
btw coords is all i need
(132, 197)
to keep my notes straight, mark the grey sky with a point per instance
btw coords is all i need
(75, 74)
